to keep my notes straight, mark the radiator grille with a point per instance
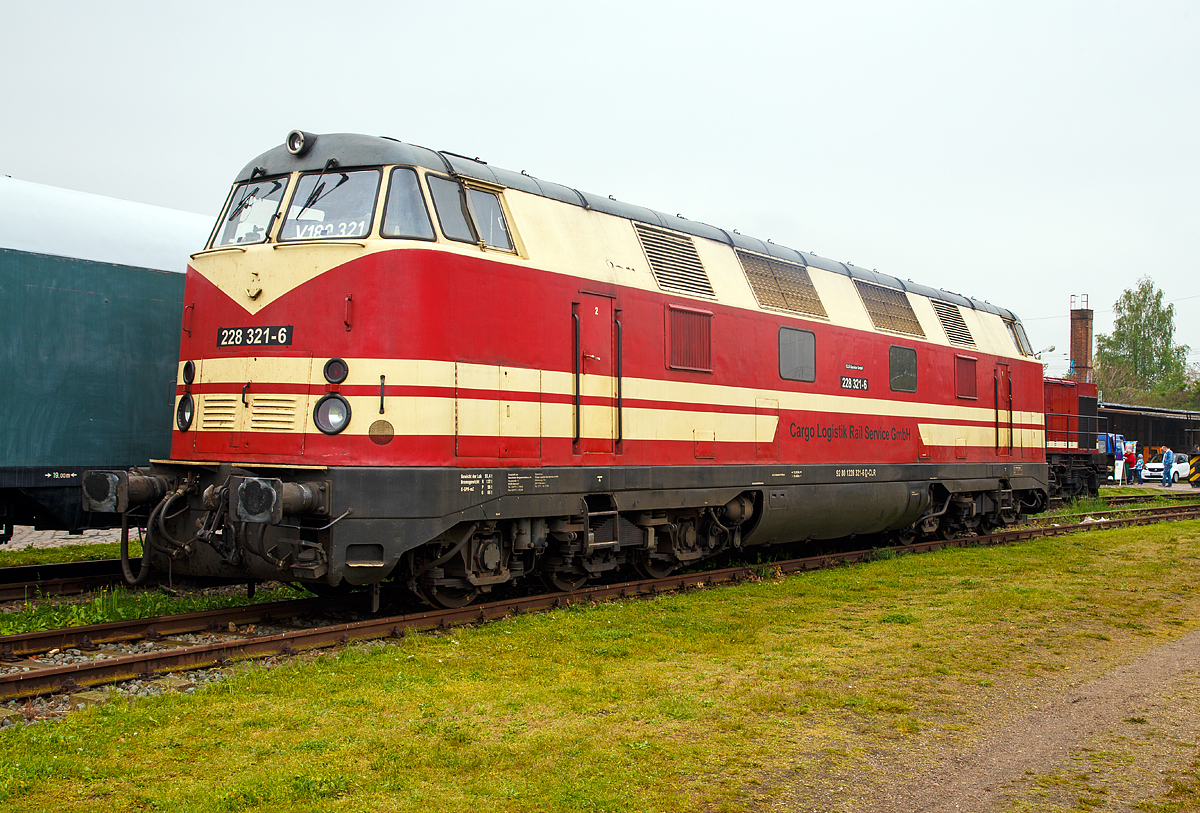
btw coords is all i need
(674, 261)
(956, 329)
(781, 285)
(690, 340)
(273, 413)
(218, 412)
(889, 309)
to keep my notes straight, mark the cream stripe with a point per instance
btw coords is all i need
(418, 373)
(940, 434)
(436, 416)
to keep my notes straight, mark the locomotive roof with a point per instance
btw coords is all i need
(352, 150)
(64, 223)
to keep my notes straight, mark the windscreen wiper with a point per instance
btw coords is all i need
(242, 203)
(245, 201)
(319, 187)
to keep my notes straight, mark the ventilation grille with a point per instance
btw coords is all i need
(689, 340)
(674, 261)
(965, 373)
(781, 285)
(889, 309)
(273, 413)
(218, 413)
(952, 321)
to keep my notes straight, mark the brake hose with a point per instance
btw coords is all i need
(144, 569)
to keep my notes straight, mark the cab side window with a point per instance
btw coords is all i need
(471, 215)
(451, 209)
(489, 219)
(404, 214)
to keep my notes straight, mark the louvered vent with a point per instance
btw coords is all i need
(674, 261)
(780, 285)
(273, 413)
(218, 413)
(689, 340)
(889, 309)
(952, 321)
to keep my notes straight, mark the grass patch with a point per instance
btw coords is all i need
(120, 604)
(683, 702)
(67, 553)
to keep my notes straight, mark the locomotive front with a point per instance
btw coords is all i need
(305, 275)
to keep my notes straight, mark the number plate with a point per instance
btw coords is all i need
(252, 336)
(852, 383)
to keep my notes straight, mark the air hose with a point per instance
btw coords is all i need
(144, 569)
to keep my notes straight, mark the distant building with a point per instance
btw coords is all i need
(1152, 427)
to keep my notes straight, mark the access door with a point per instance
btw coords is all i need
(595, 374)
(252, 405)
(1002, 386)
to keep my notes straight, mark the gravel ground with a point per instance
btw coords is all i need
(48, 709)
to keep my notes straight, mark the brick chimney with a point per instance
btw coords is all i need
(1081, 339)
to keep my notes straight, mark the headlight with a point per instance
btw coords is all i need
(336, 371)
(332, 414)
(189, 372)
(184, 412)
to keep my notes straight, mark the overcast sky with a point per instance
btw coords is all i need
(1018, 152)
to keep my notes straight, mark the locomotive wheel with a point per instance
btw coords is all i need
(563, 582)
(651, 569)
(450, 598)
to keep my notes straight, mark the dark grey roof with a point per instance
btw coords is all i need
(1180, 414)
(360, 150)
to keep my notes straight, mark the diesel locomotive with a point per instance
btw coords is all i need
(407, 365)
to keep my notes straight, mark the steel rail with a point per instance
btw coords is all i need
(73, 677)
(1152, 510)
(113, 632)
(65, 578)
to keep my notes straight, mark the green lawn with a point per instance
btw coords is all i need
(713, 700)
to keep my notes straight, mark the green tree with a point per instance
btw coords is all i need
(1141, 353)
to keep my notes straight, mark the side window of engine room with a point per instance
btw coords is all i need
(470, 215)
(404, 214)
(902, 368)
(797, 354)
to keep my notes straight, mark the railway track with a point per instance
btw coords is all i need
(64, 579)
(1128, 499)
(107, 653)
(1164, 511)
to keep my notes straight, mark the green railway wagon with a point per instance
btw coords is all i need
(91, 296)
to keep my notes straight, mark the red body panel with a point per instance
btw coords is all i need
(430, 304)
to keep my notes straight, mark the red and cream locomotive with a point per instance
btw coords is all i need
(404, 364)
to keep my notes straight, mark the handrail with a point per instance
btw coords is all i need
(577, 366)
(620, 427)
(996, 400)
(1010, 416)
